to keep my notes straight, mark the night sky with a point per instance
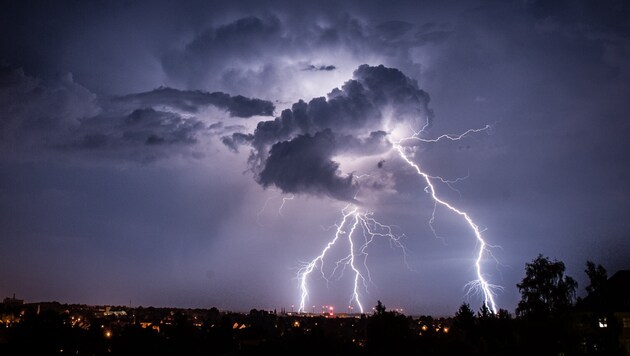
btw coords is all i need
(196, 153)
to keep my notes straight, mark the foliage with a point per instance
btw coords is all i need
(484, 312)
(387, 332)
(545, 290)
(597, 275)
(464, 318)
(379, 309)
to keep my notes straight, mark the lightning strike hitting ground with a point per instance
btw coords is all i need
(481, 284)
(353, 218)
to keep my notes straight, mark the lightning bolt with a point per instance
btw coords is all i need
(352, 219)
(284, 201)
(317, 262)
(480, 284)
(264, 207)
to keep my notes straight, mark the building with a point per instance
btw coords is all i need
(603, 317)
(8, 301)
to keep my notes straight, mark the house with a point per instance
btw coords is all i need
(603, 317)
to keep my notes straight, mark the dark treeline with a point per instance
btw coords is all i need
(549, 320)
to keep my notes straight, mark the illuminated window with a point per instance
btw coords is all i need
(603, 323)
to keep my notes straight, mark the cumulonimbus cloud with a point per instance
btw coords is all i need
(295, 151)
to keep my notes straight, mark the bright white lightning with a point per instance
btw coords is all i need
(481, 283)
(352, 219)
(452, 137)
(357, 274)
(318, 261)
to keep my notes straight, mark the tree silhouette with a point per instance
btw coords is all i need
(545, 290)
(380, 308)
(597, 275)
(464, 318)
(387, 332)
(484, 312)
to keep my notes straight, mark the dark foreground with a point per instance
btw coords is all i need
(53, 328)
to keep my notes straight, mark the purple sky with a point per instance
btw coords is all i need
(146, 147)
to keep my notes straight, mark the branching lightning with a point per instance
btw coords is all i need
(264, 207)
(353, 220)
(480, 284)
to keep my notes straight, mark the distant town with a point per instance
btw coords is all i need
(596, 325)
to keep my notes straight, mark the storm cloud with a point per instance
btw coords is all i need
(255, 53)
(193, 100)
(304, 165)
(62, 116)
(294, 152)
(30, 108)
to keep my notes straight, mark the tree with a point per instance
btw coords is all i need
(545, 290)
(484, 312)
(379, 309)
(597, 275)
(387, 332)
(464, 318)
(503, 314)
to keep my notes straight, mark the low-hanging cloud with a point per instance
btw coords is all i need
(295, 151)
(326, 68)
(62, 116)
(304, 165)
(194, 100)
(33, 112)
(143, 135)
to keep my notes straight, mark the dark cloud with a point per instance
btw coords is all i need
(144, 135)
(62, 115)
(320, 68)
(218, 128)
(146, 126)
(240, 42)
(304, 165)
(237, 139)
(33, 112)
(255, 54)
(193, 100)
(350, 120)
(357, 108)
